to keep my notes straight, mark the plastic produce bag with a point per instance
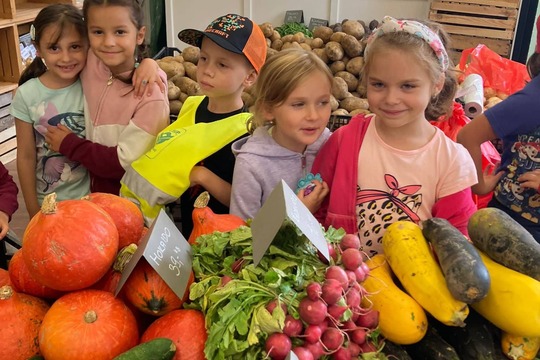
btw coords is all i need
(501, 74)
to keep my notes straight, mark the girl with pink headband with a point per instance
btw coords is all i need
(393, 164)
(516, 181)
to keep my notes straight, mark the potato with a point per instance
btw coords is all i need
(287, 45)
(287, 38)
(337, 36)
(350, 79)
(489, 92)
(267, 29)
(334, 104)
(353, 103)
(191, 54)
(340, 112)
(188, 86)
(270, 52)
(321, 53)
(323, 32)
(191, 70)
(351, 46)
(361, 90)
(173, 93)
(337, 66)
(501, 95)
(299, 37)
(317, 43)
(492, 101)
(179, 58)
(339, 88)
(171, 68)
(360, 111)
(175, 106)
(305, 46)
(183, 97)
(354, 66)
(268, 42)
(275, 36)
(354, 28)
(277, 44)
(334, 51)
(167, 58)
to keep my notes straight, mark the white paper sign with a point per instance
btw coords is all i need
(167, 251)
(283, 204)
(291, 356)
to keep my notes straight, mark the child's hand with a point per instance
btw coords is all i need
(4, 224)
(491, 178)
(530, 180)
(145, 75)
(55, 135)
(315, 195)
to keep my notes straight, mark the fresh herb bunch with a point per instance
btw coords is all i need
(233, 293)
(293, 28)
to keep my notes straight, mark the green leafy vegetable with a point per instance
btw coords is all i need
(293, 28)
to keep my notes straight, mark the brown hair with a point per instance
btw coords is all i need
(60, 15)
(279, 76)
(137, 17)
(441, 104)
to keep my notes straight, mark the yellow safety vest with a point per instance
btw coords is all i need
(161, 176)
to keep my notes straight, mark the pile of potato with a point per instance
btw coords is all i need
(341, 46)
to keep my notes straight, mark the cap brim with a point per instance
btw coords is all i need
(194, 37)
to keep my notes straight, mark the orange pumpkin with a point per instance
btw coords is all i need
(205, 221)
(186, 328)
(4, 277)
(126, 215)
(87, 325)
(21, 316)
(148, 292)
(23, 280)
(69, 245)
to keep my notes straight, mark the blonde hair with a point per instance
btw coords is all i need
(441, 104)
(279, 76)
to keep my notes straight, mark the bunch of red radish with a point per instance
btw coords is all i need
(332, 320)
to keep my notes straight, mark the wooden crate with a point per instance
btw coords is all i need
(472, 22)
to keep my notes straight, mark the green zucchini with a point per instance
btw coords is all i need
(432, 347)
(475, 341)
(155, 349)
(465, 274)
(36, 357)
(505, 241)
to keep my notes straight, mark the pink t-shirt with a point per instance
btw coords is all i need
(397, 185)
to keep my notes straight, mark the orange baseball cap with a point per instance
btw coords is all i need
(235, 33)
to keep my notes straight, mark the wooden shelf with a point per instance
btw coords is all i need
(6, 86)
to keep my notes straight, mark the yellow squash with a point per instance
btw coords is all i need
(513, 301)
(411, 259)
(401, 319)
(519, 347)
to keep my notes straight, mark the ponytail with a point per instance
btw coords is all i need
(34, 70)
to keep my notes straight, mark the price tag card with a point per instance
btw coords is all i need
(314, 22)
(167, 251)
(283, 204)
(294, 16)
(291, 356)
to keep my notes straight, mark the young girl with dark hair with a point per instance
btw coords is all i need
(50, 94)
(120, 127)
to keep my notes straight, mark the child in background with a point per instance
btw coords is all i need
(8, 199)
(291, 111)
(50, 93)
(120, 127)
(394, 165)
(194, 153)
(515, 121)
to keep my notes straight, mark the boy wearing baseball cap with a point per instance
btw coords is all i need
(193, 154)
